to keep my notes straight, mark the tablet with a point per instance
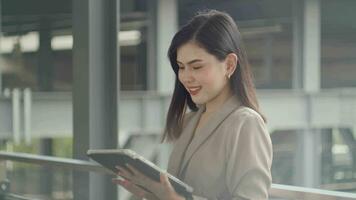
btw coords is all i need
(109, 158)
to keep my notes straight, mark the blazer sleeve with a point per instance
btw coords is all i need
(249, 160)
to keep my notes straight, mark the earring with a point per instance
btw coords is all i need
(228, 76)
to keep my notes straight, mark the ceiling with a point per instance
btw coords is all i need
(21, 16)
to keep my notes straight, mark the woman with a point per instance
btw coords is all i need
(221, 148)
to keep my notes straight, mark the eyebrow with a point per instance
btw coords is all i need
(191, 62)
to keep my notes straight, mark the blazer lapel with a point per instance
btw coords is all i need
(182, 143)
(200, 137)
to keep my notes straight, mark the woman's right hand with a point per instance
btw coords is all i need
(134, 189)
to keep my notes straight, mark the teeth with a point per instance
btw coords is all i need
(194, 89)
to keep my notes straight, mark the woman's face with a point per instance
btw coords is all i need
(201, 73)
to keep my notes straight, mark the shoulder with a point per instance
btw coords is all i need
(243, 115)
(247, 130)
(245, 123)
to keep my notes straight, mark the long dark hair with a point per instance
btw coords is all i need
(218, 34)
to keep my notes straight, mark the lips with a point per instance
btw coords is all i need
(194, 90)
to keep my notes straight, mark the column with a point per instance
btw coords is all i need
(45, 83)
(0, 49)
(297, 76)
(311, 46)
(307, 77)
(151, 42)
(167, 23)
(45, 55)
(96, 90)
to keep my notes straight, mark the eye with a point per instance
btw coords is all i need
(180, 67)
(197, 67)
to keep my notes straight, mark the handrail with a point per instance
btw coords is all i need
(295, 192)
(17, 197)
(56, 162)
(277, 190)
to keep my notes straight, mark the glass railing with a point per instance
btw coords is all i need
(29, 181)
(28, 176)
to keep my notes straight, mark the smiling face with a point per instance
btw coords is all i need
(202, 74)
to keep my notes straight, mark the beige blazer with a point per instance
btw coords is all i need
(229, 157)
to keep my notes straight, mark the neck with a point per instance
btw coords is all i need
(219, 100)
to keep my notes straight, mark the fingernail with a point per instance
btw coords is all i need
(119, 178)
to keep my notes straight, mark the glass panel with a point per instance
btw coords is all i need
(35, 47)
(266, 27)
(338, 70)
(284, 155)
(135, 20)
(36, 182)
(338, 44)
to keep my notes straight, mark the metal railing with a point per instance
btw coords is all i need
(303, 193)
(277, 191)
(34, 114)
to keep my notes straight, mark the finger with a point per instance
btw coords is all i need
(117, 180)
(124, 170)
(123, 176)
(124, 173)
(150, 196)
(121, 182)
(134, 170)
(165, 181)
(140, 178)
(144, 179)
(124, 167)
(132, 188)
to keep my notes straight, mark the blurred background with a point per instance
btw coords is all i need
(80, 74)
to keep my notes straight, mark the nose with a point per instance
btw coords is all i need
(186, 76)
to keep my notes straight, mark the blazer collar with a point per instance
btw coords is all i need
(184, 149)
(183, 142)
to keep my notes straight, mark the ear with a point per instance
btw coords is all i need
(231, 63)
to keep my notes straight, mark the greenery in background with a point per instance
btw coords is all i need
(22, 147)
(25, 148)
(23, 175)
(63, 147)
(2, 145)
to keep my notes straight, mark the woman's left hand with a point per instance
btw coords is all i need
(162, 190)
